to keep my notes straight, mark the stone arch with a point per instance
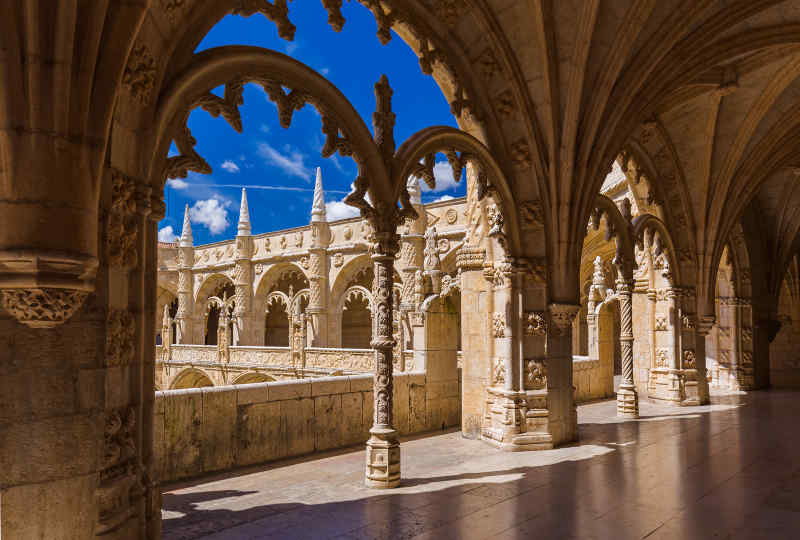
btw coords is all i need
(356, 318)
(207, 310)
(165, 297)
(656, 157)
(277, 278)
(191, 378)
(253, 377)
(276, 319)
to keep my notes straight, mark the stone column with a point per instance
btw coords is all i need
(243, 279)
(560, 400)
(697, 359)
(183, 317)
(383, 446)
(627, 397)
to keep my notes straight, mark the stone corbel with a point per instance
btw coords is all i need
(44, 289)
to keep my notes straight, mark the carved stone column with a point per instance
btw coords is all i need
(627, 397)
(694, 364)
(243, 292)
(317, 310)
(383, 446)
(561, 403)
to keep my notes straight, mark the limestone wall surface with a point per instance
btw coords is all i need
(203, 430)
(591, 378)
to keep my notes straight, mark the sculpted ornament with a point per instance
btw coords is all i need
(140, 73)
(499, 325)
(535, 374)
(499, 370)
(662, 360)
(42, 308)
(561, 316)
(532, 215)
(121, 233)
(451, 216)
(120, 335)
(661, 323)
(535, 323)
(338, 260)
(689, 359)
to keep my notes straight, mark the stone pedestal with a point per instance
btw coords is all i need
(383, 458)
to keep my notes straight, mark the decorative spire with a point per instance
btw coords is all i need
(186, 239)
(243, 228)
(318, 208)
(414, 190)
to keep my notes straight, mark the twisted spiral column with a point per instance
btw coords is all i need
(383, 446)
(627, 398)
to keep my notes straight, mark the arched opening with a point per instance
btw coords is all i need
(253, 378)
(722, 342)
(784, 350)
(219, 308)
(276, 329)
(191, 378)
(172, 310)
(356, 321)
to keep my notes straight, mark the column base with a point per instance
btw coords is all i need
(512, 426)
(627, 402)
(383, 459)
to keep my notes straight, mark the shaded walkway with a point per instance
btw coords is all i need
(728, 470)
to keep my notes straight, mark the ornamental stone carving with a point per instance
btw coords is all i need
(535, 374)
(451, 216)
(444, 245)
(120, 336)
(348, 233)
(470, 258)
(42, 308)
(535, 323)
(561, 316)
(662, 358)
(499, 370)
(532, 215)
(689, 359)
(140, 73)
(661, 323)
(338, 260)
(119, 484)
(499, 325)
(747, 333)
(688, 322)
(121, 231)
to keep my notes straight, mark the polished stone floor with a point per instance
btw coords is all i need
(728, 470)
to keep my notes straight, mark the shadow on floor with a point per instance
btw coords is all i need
(596, 477)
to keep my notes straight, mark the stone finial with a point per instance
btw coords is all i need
(414, 190)
(318, 208)
(243, 228)
(186, 239)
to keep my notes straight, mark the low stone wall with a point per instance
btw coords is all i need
(203, 430)
(591, 378)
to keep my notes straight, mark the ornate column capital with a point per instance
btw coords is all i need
(704, 325)
(561, 317)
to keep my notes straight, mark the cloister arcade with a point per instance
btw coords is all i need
(676, 273)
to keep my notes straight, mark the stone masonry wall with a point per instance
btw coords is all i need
(203, 430)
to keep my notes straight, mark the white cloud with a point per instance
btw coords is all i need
(339, 210)
(291, 47)
(444, 198)
(213, 213)
(292, 163)
(443, 174)
(167, 235)
(325, 71)
(230, 166)
(177, 183)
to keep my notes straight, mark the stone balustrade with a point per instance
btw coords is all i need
(203, 430)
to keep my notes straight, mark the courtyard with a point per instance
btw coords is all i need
(724, 470)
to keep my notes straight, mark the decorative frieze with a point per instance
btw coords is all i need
(470, 258)
(121, 230)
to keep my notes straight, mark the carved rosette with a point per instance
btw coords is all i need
(42, 308)
(535, 323)
(561, 317)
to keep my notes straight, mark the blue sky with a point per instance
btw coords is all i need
(265, 155)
